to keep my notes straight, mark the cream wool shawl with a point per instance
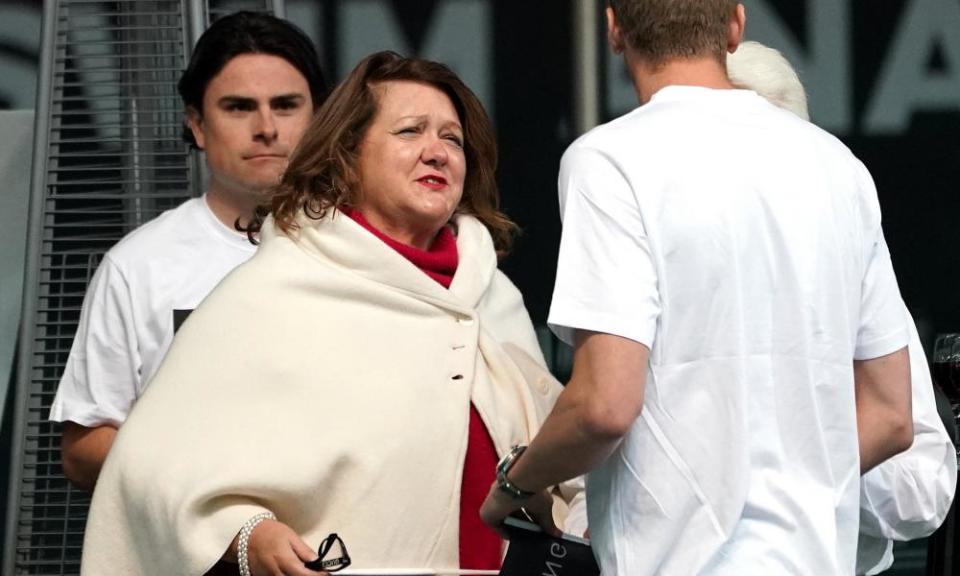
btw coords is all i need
(329, 381)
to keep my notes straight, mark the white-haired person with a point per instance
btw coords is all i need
(909, 495)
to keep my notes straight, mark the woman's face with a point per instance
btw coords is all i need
(411, 163)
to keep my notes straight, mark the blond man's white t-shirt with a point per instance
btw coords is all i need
(743, 246)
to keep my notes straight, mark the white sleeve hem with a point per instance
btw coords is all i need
(563, 324)
(882, 346)
(87, 418)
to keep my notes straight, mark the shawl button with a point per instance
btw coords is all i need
(543, 385)
(465, 320)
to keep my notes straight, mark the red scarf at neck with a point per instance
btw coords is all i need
(439, 262)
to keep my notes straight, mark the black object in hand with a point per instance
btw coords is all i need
(533, 551)
(335, 564)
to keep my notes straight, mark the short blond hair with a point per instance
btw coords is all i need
(663, 30)
(768, 73)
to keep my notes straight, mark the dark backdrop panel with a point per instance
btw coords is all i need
(917, 173)
(533, 92)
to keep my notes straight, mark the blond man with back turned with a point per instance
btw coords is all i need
(740, 341)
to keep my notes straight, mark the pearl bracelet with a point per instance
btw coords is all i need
(245, 532)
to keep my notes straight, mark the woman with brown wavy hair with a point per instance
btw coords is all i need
(324, 172)
(360, 375)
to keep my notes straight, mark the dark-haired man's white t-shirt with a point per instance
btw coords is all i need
(743, 246)
(144, 286)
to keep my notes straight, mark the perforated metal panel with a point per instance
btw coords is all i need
(108, 157)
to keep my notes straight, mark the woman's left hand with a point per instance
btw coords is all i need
(274, 549)
(499, 505)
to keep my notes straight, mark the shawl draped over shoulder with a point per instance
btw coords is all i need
(327, 380)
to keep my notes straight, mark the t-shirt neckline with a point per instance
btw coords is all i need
(676, 92)
(221, 230)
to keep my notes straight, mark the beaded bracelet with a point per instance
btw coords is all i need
(245, 532)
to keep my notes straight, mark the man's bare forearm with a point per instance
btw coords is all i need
(884, 407)
(84, 451)
(592, 415)
(567, 446)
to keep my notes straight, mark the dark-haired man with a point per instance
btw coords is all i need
(740, 340)
(249, 92)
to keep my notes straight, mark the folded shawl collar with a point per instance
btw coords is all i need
(344, 243)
